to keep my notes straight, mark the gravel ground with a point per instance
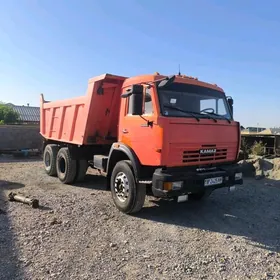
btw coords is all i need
(77, 233)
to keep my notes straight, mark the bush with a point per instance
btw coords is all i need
(258, 149)
(8, 115)
(245, 149)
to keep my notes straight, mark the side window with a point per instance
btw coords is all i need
(148, 105)
(129, 108)
(208, 103)
(221, 107)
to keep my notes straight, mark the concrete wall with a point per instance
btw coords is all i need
(17, 137)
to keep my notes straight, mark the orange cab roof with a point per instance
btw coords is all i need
(179, 78)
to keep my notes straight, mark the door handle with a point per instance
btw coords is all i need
(125, 130)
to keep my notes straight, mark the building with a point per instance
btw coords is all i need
(252, 129)
(27, 114)
(271, 131)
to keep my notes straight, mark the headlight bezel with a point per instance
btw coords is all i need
(177, 185)
(173, 186)
(238, 176)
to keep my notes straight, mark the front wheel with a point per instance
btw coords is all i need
(128, 196)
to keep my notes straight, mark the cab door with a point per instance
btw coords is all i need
(138, 132)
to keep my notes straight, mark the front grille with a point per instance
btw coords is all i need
(196, 156)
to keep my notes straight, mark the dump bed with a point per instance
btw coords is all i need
(86, 120)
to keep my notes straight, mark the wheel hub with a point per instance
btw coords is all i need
(62, 164)
(121, 186)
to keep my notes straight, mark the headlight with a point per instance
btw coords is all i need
(177, 185)
(173, 186)
(238, 176)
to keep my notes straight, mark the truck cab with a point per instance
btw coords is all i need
(178, 119)
(184, 130)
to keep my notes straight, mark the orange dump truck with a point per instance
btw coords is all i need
(168, 136)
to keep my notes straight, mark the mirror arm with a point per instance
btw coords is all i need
(149, 84)
(127, 94)
(149, 123)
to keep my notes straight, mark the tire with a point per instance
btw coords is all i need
(49, 159)
(66, 167)
(133, 200)
(82, 166)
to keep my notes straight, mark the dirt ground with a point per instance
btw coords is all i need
(77, 233)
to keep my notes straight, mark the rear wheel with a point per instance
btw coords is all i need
(66, 167)
(49, 158)
(82, 166)
(128, 196)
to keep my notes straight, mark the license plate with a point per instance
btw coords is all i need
(213, 181)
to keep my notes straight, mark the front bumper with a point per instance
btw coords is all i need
(193, 181)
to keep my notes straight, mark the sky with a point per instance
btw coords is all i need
(54, 47)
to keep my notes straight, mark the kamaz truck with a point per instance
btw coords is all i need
(172, 137)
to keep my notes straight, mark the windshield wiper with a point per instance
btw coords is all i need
(209, 116)
(183, 111)
(222, 117)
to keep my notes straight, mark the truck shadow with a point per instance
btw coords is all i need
(15, 159)
(94, 182)
(252, 213)
(9, 256)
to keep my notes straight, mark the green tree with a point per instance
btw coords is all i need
(258, 148)
(8, 115)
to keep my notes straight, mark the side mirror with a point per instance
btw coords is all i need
(135, 92)
(167, 81)
(230, 103)
(148, 97)
(100, 90)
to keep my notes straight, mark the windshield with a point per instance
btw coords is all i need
(193, 99)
